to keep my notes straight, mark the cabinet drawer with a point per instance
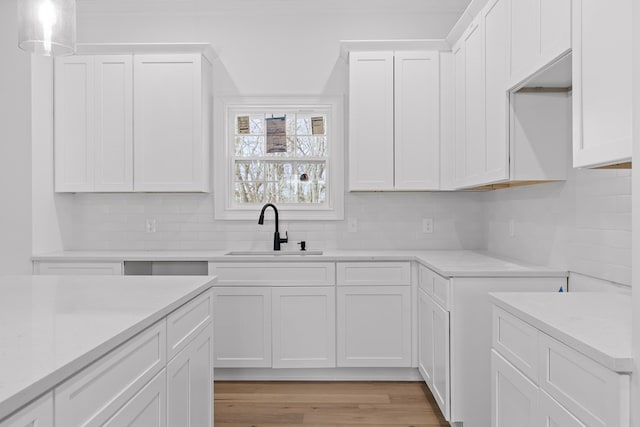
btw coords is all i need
(187, 321)
(145, 409)
(554, 414)
(425, 281)
(92, 396)
(441, 290)
(274, 273)
(591, 392)
(516, 341)
(78, 268)
(37, 414)
(374, 273)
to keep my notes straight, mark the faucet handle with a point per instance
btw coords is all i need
(286, 237)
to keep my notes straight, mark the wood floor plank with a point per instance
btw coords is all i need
(322, 404)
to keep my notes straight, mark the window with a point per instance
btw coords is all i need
(283, 151)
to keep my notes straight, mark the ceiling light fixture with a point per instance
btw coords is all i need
(47, 27)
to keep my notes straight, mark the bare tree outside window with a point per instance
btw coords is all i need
(297, 175)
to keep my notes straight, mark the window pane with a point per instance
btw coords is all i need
(312, 192)
(249, 171)
(276, 171)
(252, 192)
(248, 146)
(311, 146)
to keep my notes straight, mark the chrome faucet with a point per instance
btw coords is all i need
(276, 236)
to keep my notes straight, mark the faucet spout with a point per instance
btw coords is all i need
(276, 236)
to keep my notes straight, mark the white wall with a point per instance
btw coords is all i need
(15, 147)
(583, 224)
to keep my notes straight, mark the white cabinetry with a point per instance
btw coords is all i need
(147, 408)
(502, 138)
(454, 339)
(133, 122)
(540, 33)
(242, 327)
(189, 383)
(171, 126)
(537, 380)
(77, 268)
(36, 414)
(394, 120)
(93, 123)
(601, 82)
(304, 327)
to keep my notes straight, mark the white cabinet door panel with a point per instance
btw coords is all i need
(374, 326)
(145, 409)
(371, 121)
(242, 327)
(553, 414)
(475, 138)
(168, 107)
(113, 123)
(190, 383)
(417, 120)
(514, 397)
(304, 327)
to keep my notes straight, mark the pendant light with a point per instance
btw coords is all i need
(47, 27)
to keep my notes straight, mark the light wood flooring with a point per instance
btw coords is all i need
(269, 404)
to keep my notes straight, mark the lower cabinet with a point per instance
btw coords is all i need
(515, 396)
(433, 352)
(190, 382)
(145, 409)
(36, 414)
(374, 326)
(559, 386)
(303, 325)
(242, 327)
(78, 268)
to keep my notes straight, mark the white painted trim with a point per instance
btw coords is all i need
(583, 283)
(465, 20)
(320, 374)
(347, 46)
(204, 49)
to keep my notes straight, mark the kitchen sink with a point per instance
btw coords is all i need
(273, 253)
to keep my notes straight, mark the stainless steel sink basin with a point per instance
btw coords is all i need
(274, 253)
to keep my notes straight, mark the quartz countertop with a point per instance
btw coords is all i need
(53, 326)
(597, 324)
(448, 263)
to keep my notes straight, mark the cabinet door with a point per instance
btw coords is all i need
(434, 350)
(168, 106)
(145, 409)
(495, 33)
(514, 396)
(460, 122)
(36, 414)
(475, 139)
(371, 121)
(242, 327)
(74, 123)
(553, 414)
(417, 121)
(374, 326)
(304, 327)
(113, 123)
(190, 383)
(555, 29)
(601, 82)
(525, 38)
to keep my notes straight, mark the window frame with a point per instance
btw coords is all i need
(224, 129)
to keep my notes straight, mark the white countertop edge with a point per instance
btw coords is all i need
(527, 270)
(619, 364)
(37, 389)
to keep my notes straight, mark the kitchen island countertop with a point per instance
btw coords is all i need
(53, 326)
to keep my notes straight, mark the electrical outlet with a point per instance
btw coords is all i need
(512, 228)
(427, 225)
(353, 225)
(150, 225)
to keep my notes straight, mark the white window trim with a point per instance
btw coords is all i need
(333, 210)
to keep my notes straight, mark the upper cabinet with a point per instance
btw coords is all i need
(394, 120)
(602, 82)
(133, 122)
(540, 33)
(504, 138)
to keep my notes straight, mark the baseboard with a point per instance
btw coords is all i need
(320, 374)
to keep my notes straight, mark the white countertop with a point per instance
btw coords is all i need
(448, 263)
(52, 326)
(597, 324)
